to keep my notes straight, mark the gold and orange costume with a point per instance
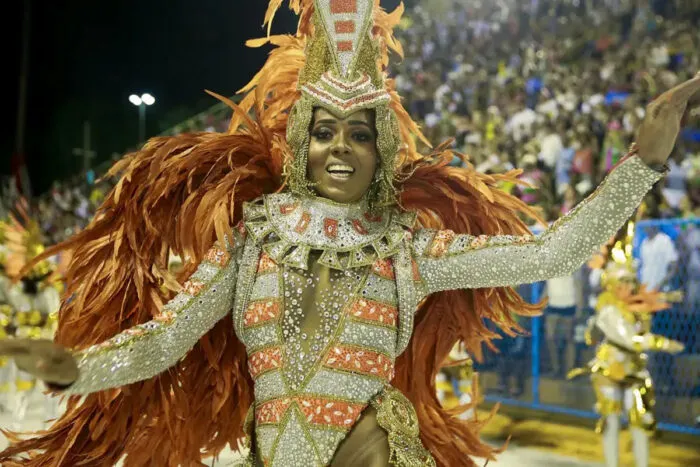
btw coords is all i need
(621, 328)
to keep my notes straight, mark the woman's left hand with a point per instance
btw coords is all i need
(42, 359)
(662, 124)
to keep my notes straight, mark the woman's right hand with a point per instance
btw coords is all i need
(662, 124)
(42, 359)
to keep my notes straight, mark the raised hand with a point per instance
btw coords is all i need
(662, 124)
(42, 359)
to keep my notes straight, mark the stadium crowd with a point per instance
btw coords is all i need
(555, 88)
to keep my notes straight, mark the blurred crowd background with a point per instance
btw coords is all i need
(556, 89)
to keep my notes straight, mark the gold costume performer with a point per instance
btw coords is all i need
(6, 318)
(33, 298)
(456, 381)
(328, 270)
(621, 329)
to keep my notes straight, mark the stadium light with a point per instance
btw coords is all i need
(148, 99)
(142, 102)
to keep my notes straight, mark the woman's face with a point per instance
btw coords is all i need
(342, 155)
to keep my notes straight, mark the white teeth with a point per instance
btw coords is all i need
(340, 168)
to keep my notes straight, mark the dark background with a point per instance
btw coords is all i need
(87, 57)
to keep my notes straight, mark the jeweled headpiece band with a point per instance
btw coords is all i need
(342, 74)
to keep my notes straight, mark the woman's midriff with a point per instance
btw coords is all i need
(367, 444)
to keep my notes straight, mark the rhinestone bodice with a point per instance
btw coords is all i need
(318, 358)
(322, 319)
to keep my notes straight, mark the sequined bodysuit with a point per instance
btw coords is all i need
(619, 371)
(323, 297)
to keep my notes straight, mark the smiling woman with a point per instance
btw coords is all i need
(342, 155)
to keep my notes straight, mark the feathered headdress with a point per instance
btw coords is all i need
(337, 61)
(621, 265)
(24, 242)
(178, 194)
(344, 74)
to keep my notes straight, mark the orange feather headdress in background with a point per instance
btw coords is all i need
(178, 194)
(23, 242)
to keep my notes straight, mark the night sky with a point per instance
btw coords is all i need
(87, 57)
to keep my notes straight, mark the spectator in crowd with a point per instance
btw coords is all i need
(659, 259)
(564, 300)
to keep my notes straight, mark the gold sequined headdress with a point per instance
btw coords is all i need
(621, 265)
(343, 74)
(24, 242)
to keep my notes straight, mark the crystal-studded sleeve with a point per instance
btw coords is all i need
(447, 261)
(148, 349)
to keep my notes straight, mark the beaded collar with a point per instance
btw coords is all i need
(289, 227)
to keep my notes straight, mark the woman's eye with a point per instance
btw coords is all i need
(362, 137)
(323, 134)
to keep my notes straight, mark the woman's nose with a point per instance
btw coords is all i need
(340, 145)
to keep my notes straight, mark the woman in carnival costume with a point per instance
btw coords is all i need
(34, 298)
(6, 318)
(326, 283)
(622, 330)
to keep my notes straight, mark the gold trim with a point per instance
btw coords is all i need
(396, 415)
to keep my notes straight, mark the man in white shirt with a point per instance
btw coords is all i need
(659, 259)
(659, 57)
(552, 146)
